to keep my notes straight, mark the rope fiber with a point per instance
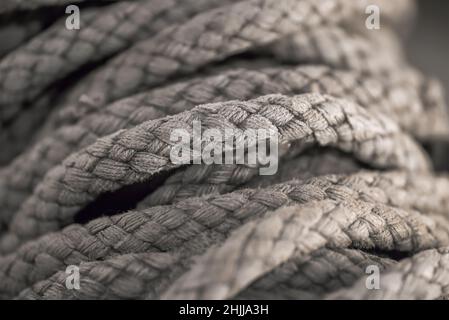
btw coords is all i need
(87, 114)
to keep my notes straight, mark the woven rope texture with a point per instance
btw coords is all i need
(87, 178)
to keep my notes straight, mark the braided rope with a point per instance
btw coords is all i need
(325, 271)
(260, 246)
(198, 181)
(141, 152)
(14, 33)
(15, 5)
(361, 53)
(94, 109)
(123, 279)
(19, 179)
(354, 52)
(128, 277)
(102, 80)
(206, 38)
(58, 51)
(411, 225)
(183, 226)
(423, 276)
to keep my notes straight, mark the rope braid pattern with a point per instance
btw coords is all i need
(324, 271)
(141, 152)
(114, 28)
(55, 53)
(102, 101)
(350, 261)
(198, 181)
(434, 121)
(353, 52)
(260, 246)
(15, 5)
(423, 276)
(182, 224)
(13, 33)
(129, 277)
(105, 78)
(19, 179)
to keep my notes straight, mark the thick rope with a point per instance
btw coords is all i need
(354, 52)
(123, 279)
(53, 288)
(128, 277)
(14, 33)
(15, 5)
(104, 79)
(423, 276)
(141, 152)
(198, 181)
(362, 57)
(20, 178)
(88, 113)
(184, 224)
(326, 270)
(260, 246)
(58, 51)
(186, 47)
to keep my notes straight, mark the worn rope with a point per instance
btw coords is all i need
(260, 246)
(87, 114)
(423, 276)
(434, 123)
(19, 179)
(53, 287)
(141, 152)
(215, 179)
(58, 51)
(326, 270)
(15, 5)
(184, 224)
(13, 33)
(127, 284)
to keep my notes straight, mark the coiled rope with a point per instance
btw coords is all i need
(88, 113)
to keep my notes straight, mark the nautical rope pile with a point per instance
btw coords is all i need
(86, 177)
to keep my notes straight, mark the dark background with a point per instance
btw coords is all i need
(428, 43)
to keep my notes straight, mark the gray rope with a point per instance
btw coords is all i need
(105, 31)
(198, 181)
(305, 69)
(260, 246)
(354, 52)
(128, 277)
(48, 287)
(359, 50)
(326, 270)
(139, 153)
(15, 5)
(423, 276)
(191, 225)
(124, 280)
(58, 51)
(428, 120)
(14, 33)
(20, 178)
